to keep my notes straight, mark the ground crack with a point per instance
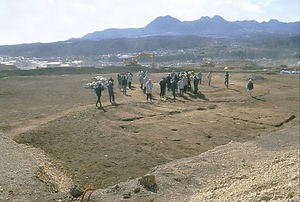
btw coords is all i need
(285, 121)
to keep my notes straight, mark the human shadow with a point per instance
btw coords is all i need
(256, 98)
(198, 95)
(214, 86)
(132, 88)
(171, 99)
(107, 107)
(184, 97)
(235, 90)
(114, 104)
(102, 108)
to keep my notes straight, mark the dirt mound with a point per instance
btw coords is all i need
(255, 77)
(239, 64)
(261, 170)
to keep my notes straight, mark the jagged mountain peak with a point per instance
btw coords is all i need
(215, 18)
(205, 26)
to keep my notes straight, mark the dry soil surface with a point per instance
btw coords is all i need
(218, 145)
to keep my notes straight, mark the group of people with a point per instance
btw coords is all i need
(124, 81)
(181, 82)
(176, 83)
(110, 88)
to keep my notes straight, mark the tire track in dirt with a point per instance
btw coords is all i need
(31, 124)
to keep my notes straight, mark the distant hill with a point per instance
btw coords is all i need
(206, 37)
(244, 47)
(205, 26)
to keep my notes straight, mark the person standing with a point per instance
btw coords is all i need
(188, 76)
(141, 76)
(163, 85)
(250, 87)
(196, 82)
(226, 78)
(149, 87)
(173, 88)
(185, 83)
(181, 87)
(98, 90)
(119, 77)
(111, 93)
(168, 79)
(209, 75)
(200, 77)
(145, 79)
(129, 79)
(124, 84)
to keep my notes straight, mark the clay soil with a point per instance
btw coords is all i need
(56, 118)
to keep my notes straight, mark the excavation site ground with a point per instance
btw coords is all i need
(100, 147)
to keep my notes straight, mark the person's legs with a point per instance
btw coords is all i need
(98, 100)
(124, 89)
(196, 89)
(173, 92)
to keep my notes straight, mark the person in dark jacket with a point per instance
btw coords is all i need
(124, 84)
(119, 77)
(98, 90)
(173, 87)
(163, 84)
(226, 79)
(168, 81)
(196, 83)
(111, 93)
(250, 87)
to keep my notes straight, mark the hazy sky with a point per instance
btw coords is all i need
(29, 21)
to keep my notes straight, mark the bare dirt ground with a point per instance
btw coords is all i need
(53, 136)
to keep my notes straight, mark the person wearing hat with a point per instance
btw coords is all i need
(250, 87)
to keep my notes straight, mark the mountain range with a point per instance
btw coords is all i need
(205, 26)
(215, 35)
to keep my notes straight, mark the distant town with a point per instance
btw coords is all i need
(122, 59)
(162, 58)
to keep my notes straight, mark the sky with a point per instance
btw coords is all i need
(30, 21)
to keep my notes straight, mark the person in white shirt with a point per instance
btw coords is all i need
(149, 87)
